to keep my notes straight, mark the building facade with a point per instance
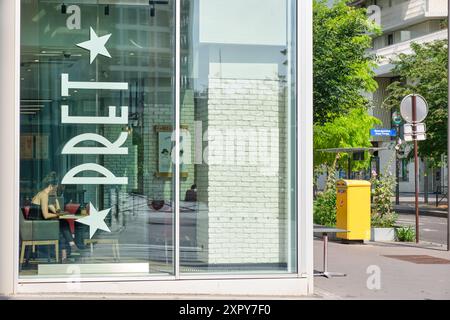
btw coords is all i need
(156, 147)
(403, 22)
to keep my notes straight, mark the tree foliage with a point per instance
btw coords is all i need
(342, 68)
(352, 130)
(324, 209)
(424, 72)
(383, 214)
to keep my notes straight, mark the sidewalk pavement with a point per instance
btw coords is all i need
(398, 279)
(74, 296)
(362, 263)
(425, 210)
(407, 205)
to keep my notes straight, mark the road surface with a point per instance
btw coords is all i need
(432, 229)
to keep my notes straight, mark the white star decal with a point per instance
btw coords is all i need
(96, 45)
(95, 220)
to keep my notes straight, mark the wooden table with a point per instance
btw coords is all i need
(69, 216)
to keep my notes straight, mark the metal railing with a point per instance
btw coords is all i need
(441, 194)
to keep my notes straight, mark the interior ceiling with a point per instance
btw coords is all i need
(102, 2)
(153, 61)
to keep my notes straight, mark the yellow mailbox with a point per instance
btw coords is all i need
(353, 209)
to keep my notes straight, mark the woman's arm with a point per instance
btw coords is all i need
(44, 207)
(58, 207)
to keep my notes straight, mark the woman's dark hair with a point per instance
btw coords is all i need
(49, 181)
(53, 182)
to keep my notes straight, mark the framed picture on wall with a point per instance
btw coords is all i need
(26, 147)
(165, 148)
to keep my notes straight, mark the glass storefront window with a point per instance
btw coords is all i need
(97, 122)
(96, 147)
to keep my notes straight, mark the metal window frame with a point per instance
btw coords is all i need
(304, 241)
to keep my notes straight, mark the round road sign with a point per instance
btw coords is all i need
(421, 108)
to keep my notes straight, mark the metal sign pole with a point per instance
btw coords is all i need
(414, 109)
(416, 165)
(397, 168)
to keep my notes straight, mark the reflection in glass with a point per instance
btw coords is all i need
(136, 237)
(237, 148)
(238, 209)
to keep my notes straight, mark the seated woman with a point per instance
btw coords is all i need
(41, 210)
(191, 194)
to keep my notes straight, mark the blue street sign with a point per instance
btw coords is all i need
(383, 132)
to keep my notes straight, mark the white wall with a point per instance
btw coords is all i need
(8, 140)
(232, 22)
(247, 171)
(437, 8)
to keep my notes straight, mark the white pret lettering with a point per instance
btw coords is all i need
(110, 119)
(108, 147)
(88, 85)
(74, 21)
(108, 176)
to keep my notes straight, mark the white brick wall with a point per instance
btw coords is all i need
(242, 187)
(244, 183)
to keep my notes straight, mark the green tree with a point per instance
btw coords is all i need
(342, 68)
(424, 72)
(383, 189)
(324, 209)
(352, 130)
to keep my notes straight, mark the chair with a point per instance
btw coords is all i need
(71, 208)
(111, 238)
(38, 233)
(114, 242)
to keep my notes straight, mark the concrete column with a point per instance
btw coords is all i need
(9, 136)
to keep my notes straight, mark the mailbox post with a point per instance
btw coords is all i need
(353, 209)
